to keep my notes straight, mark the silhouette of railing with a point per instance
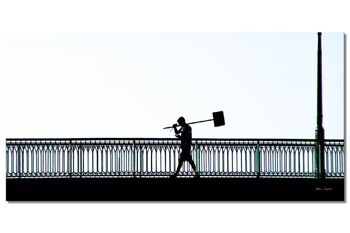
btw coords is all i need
(155, 157)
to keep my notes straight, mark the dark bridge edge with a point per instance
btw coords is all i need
(159, 189)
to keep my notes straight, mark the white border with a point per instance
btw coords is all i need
(151, 15)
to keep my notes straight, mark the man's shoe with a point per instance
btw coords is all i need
(173, 176)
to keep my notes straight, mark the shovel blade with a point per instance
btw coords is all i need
(219, 119)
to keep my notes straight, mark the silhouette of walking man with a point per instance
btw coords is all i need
(185, 134)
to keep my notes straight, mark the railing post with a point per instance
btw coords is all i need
(198, 160)
(7, 161)
(141, 160)
(97, 161)
(257, 160)
(133, 158)
(70, 159)
(19, 162)
(80, 162)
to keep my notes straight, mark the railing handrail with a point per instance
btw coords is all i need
(141, 138)
(12, 141)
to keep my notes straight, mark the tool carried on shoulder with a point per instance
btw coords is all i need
(218, 118)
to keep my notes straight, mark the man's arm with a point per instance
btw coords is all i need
(177, 132)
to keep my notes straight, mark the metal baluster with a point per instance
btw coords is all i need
(115, 160)
(98, 160)
(13, 161)
(70, 159)
(27, 161)
(309, 160)
(285, 159)
(42, 160)
(337, 164)
(92, 148)
(198, 151)
(47, 161)
(302, 161)
(36, 160)
(159, 149)
(232, 160)
(270, 161)
(227, 160)
(56, 161)
(298, 158)
(118, 159)
(222, 157)
(275, 159)
(64, 160)
(58, 168)
(81, 160)
(157, 157)
(111, 160)
(250, 162)
(103, 153)
(326, 159)
(168, 171)
(152, 160)
(125, 162)
(19, 162)
(39, 160)
(213, 165)
(257, 159)
(341, 152)
(133, 159)
(108, 154)
(205, 159)
(54, 158)
(141, 160)
(127, 159)
(7, 160)
(264, 162)
(121, 160)
(338, 154)
(245, 162)
(295, 162)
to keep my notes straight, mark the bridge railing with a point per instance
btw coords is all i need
(156, 157)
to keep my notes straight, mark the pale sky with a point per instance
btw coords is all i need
(155, 15)
(134, 84)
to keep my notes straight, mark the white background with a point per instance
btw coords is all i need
(133, 84)
(179, 16)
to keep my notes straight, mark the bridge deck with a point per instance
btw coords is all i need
(180, 189)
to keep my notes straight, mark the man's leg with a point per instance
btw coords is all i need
(194, 167)
(181, 161)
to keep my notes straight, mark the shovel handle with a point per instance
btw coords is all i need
(195, 122)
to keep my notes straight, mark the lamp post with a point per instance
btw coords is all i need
(319, 133)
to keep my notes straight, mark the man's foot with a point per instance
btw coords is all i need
(196, 176)
(173, 176)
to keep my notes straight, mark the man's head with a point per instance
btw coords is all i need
(181, 121)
